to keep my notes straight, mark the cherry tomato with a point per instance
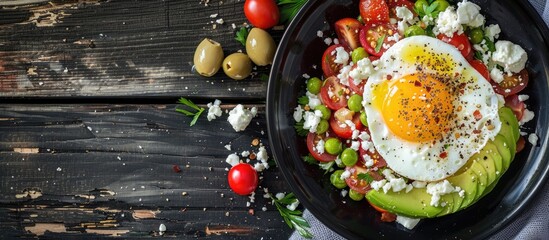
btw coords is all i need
(481, 68)
(393, 4)
(370, 35)
(334, 94)
(341, 129)
(512, 84)
(242, 179)
(356, 88)
(461, 42)
(379, 162)
(312, 141)
(521, 143)
(262, 13)
(374, 10)
(360, 185)
(329, 67)
(381, 210)
(347, 30)
(388, 217)
(516, 105)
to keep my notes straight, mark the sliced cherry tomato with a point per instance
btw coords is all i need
(381, 210)
(334, 94)
(347, 30)
(379, 161)
(374, 10)
(481, 68)
(516, 105)
(262, 13)
(242, 179)
(341, 129)
(329, 67)
(512, 84)
(521, 143)
(388, 217)
(357, 184)
(370, 36)
(393, 4)
(312, 141)
(357, 88)
(461, 42)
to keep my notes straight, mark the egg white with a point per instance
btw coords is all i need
(434, 160)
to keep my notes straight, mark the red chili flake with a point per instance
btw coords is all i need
(176, 168)
(389, 77)
(443, 155)
(251, 211)
(477, 115)
(388, 217)
(428, 89)
(417, 84)
(476, 131)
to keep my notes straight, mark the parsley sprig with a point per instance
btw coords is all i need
(293, 218)
(288, 9)
(190, 104)
(366, 177)
(241, 35)
(379, 42)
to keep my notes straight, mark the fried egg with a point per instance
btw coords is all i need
(428, 109)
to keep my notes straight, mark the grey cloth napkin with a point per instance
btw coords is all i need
(531, 224)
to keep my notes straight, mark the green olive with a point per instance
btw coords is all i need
(260, 47)
(208, 57)
(237, 66)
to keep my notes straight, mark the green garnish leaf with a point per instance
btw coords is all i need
(264, 77)
(293, 218)
(431, 9)
(478, 55)
(303, 100)
(490, 44)
(327, 166)
(366, 177)
(309, 159)
(241, 35)
(300, 130)
(288, 9)
(190, 104)
(379, 42)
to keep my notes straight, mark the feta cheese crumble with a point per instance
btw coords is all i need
(240, 118)
(438, 189)
(447, 23)
(407, 222)
(232, 159)
(214, 110)
(469, 14)
(510, 56)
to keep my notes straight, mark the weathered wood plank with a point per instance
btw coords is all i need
(76, 164)
(118, 48)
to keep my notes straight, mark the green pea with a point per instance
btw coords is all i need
(349, 157)
(333, 146)
(355, 103)
(476, 35)
(363, 118)
(358, 54)
(313, 85)
(336, 180)
(414, 30)
(419, 5)
(322, 127)
(355, 195)
(442, 5)
(326, 112)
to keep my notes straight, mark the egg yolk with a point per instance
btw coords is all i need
(416, 107)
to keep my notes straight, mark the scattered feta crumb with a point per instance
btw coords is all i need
(523, 97)
(293, 206)
(438, 189)
(220, 21)
(346, 174)
(280, 196)
(407, 222)
(162, 228)
(492, 32)
(245, 153)
(319, 34)
(533, 139)
(214, 110)
(510, 56)
(232, 159)
(527, 116)
(447, 23)
(228, 147)
(341, 56)
(298, 113)
(344, 192)
(469, 14)
(240, 118)
(496, 75)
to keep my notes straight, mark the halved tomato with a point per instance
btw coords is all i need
(512, 84)
(329, 67)
(373, 34)
(312, 141)
(379, 161)
(334, 94)
(374, 11)
(521, 143)
(461, 42)
(354, 87)
(341, 129)
(516, 105)
(393, 4)
(481, 68)
(347, 30)
(358, 184)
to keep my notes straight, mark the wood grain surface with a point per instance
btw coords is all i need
(89, 135)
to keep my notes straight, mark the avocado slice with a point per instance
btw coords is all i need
(485, 159)
(508, 132)
(504, 151)
(481, 177)
(415, 204)
(507, 115)
(493, 151)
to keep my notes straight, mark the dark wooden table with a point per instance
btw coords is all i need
(88, 131)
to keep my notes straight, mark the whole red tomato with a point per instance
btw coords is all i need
(262, 13)
(243, 179)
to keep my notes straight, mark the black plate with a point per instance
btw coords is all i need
(300, 51)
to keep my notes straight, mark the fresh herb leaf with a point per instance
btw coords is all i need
(241, 35)
(490, 44)
(431, 9)
(379, 42)
(327, 166)
(288, 9)
(303, 100)
(300, 130)
(478, 55)
(292, 217)
(264, 77)
(366, 177)
(309, 159)
(190, 104)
